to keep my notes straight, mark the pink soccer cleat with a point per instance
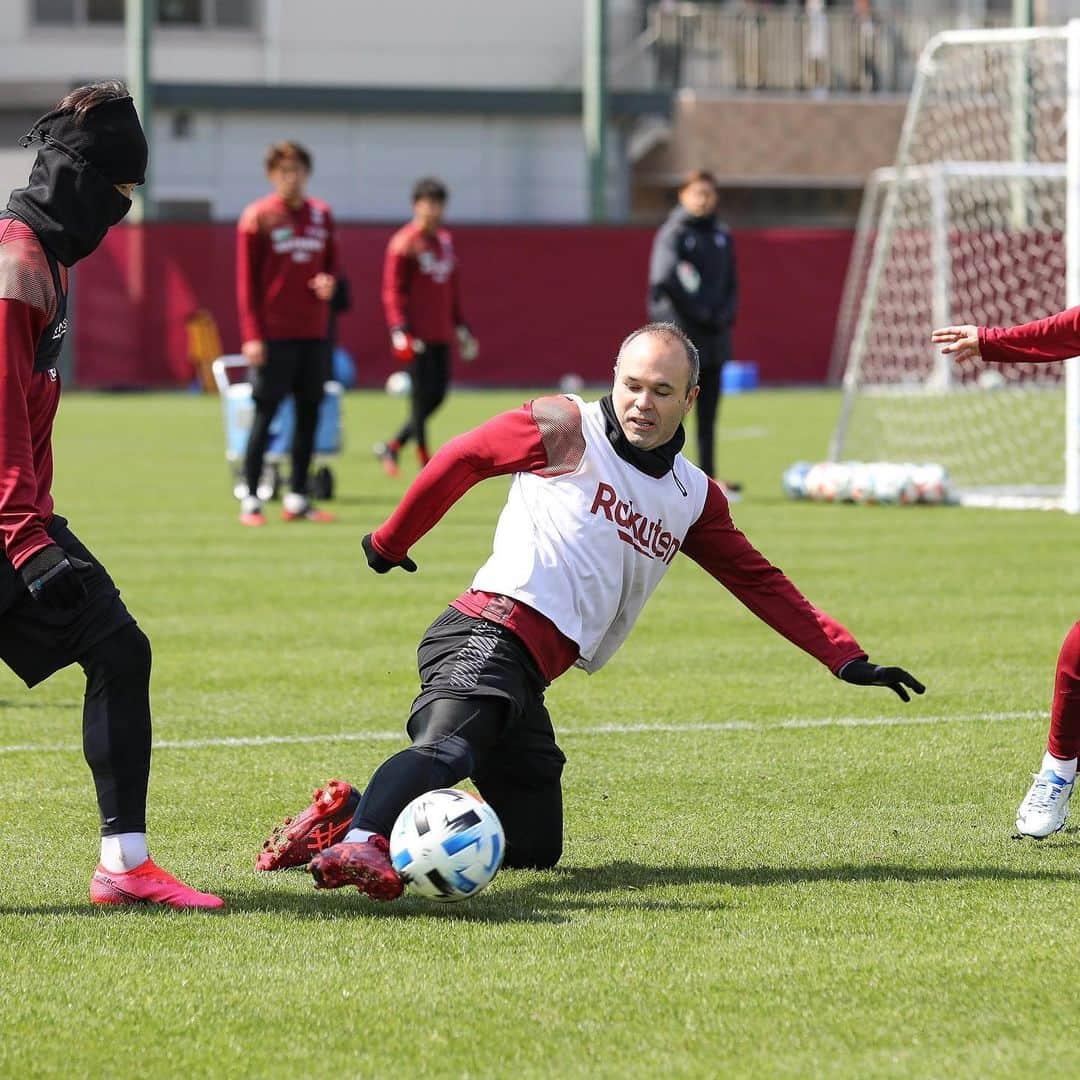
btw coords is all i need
(297, 508)
(325, 821)
(366, 865)
(147, 884)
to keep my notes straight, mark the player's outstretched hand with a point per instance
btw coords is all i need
(52, 577)
(379, 563)
(864, 673)
(959, 341)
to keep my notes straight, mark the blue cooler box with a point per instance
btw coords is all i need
(240, 410)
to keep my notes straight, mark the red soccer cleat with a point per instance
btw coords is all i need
(325, 821)
(387, 456)
(253, 520)
(312, 513)
(147, 884)
(365, 865)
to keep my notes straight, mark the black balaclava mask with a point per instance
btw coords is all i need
(71, 199)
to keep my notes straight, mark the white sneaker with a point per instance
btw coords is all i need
(1045, 807)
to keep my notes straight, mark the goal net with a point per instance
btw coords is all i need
(968, 227)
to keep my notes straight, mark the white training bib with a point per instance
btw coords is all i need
(586, 549)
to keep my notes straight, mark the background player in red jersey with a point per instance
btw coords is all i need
(421, 295)
(286, 266)
(1045, 807)
(601, 502)
(58, 605)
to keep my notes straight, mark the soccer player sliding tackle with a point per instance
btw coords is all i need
(601, 503)
(1045, 808)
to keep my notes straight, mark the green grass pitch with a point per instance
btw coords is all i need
(771, 873)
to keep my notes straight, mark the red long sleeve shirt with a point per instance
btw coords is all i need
(28, 400)
(278, 251)
(421, 292)
(512, 442)
(1054, 338)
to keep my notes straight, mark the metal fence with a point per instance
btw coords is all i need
(708, 48)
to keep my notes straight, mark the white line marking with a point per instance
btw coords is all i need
(733, 434)
(602, 729)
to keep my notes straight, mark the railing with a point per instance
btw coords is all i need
(705, 47)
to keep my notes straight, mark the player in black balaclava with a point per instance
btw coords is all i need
(58, 605)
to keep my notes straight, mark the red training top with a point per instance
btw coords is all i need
(278, 251)
(1054, 338)
(28, 399)
(513, 442)
(420, 289)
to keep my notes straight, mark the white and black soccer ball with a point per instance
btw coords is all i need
(399, 384)
(447, 845)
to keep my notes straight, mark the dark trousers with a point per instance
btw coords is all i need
(707, 408)
(430, 373)
(714, 351)
(480, 714)
(299, 367)
(102, 637)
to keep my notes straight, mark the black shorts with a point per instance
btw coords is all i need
(297, 366)
(464, 657)
(36, 640)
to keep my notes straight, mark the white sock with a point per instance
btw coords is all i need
(1066, 769)
(124, 851)
(357, 836)
(294, 502)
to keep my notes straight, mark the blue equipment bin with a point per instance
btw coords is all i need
(739, 377)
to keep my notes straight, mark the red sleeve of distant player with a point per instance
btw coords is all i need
(397, 272)
(21, 527)
(1053, 338)
(715, 544)
(455, 296)
(251, 244)
(330, 253)
(543, 436)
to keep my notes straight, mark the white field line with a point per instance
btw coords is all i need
(719, 727)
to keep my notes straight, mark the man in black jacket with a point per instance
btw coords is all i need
(692, 284)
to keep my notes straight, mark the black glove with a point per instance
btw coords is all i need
(380, 564)
(52, 577)
(863, 673)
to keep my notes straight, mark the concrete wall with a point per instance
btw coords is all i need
(498, 168)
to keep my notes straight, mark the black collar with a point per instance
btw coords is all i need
(651, 462)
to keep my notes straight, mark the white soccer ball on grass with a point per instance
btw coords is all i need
(447, 845)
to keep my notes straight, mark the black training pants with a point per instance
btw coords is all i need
(480, 714)
(299, 367)
(430, 372)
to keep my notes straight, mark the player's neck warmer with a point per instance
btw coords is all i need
(651, 462)
(71, 200)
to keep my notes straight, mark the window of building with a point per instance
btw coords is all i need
(198, 14)
(105, 11)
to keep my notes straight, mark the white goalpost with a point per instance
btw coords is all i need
(978, 222)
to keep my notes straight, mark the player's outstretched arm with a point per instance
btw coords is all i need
(508, 443)
(1057, 337)
(866, 673)
(961, 342)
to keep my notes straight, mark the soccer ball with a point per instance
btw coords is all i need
(399, 384)
(894, 483)
(447, 845)
(932, 483)
(794, 480)
(571, 384)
